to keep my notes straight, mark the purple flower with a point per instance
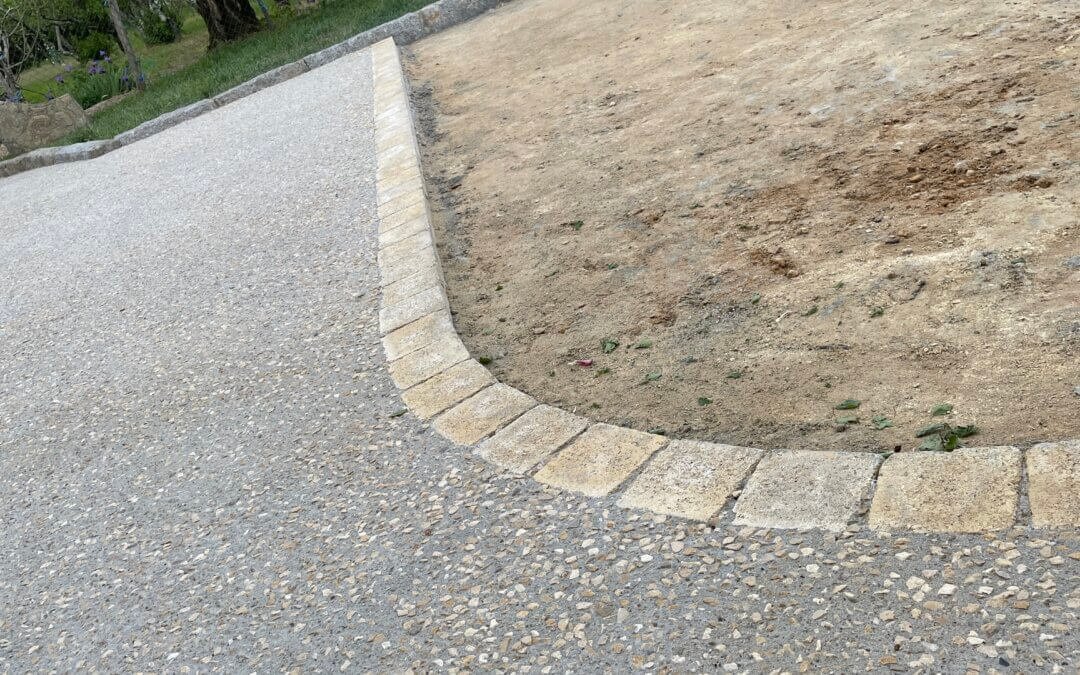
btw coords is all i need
(102, 53)
(68, 67)
(59, 79)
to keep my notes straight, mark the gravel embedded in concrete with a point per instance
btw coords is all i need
(201, 464)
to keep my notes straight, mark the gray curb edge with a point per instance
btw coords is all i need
(405, 29)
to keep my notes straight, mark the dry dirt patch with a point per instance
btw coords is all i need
(769, 207)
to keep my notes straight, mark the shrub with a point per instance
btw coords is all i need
(159, 31)
(97, 81)
(94, 46)
(161, 22)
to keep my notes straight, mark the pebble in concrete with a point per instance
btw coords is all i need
(804, 489)
(482, 414)
(691, 479)
(1054, 484)
(600, 460)
(532, 437)
(967, 490)
(447, 389)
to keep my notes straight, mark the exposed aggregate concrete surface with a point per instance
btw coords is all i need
(203, 463)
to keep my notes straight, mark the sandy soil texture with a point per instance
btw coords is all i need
(723, 219)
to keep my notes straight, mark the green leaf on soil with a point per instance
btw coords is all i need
(950, 442)
(576, 224)
(935, 428)
(658, 431)
(498, 287)
(839, 285)
(966, 430)
(932, 444)
(849, 404)
(941, 409)
(703, 401)
(484, 360)
(876, 312)
(734, 374)
(811, 312)
(609, 345)
(399, 413)
(881, 422)
(849, 419)
(653, 376)
(755, 298)
(603, 371)
(612, 266)
(643, 344)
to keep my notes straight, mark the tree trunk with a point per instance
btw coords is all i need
(8, 79)
(10, 85)
(227, 19)
(125, 44)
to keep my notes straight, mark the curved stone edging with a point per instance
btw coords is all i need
(968, 490)
(405, 29)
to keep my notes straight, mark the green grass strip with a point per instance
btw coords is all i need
(237, 62)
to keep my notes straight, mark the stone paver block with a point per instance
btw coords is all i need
(400, 218)
(408, 246)
(398, 156)
(806, 489)
(422, 266)
(398, 138)
(482, 414)
(401, 170)
(403, 289)
(447, 389)
(403, 202)
(966, 490)
(1054, 484)
(419, 365)
(431, 329)
(600, 459)
(392, 317)
(531, 438)
(691, 479)
(395, 174)
(404, 231)
(396, 267)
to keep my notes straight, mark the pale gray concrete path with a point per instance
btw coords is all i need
(203, 466)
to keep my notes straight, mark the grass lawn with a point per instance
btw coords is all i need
(157, 60)
(231, 64)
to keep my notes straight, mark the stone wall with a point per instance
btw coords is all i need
(25, 126)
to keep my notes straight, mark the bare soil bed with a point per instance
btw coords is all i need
(722, 219)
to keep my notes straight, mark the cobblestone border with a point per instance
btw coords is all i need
(968, 490)
(405, 29)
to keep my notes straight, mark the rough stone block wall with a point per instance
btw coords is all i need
(25, 126)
